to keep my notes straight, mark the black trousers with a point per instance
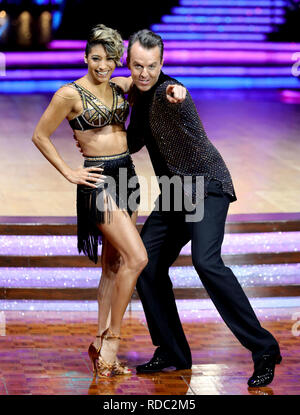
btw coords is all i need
(164, 234)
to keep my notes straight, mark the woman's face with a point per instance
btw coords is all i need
(100, 66)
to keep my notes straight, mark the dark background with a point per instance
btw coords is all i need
(79, 16)
(127, 16)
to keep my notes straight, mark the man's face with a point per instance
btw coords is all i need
(145, 66)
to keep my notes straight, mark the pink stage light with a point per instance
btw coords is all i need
(71, 44)
(222, 57)
(44, 58)
(195, 44)
(173, 44)
(200, 27)
(74, 73)
(250, 11)
(185, 57)
(290, 97)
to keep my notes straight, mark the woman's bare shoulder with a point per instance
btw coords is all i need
(67, 91)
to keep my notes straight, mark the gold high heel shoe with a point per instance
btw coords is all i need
(103, 368)
(118, 367)
(121, 369)
(94, 353)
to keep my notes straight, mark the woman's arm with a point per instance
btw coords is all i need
(122, 82)
(59, 108)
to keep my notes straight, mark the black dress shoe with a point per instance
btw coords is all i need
(264, 370)
(158, 363)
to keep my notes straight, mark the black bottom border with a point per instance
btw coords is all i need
(147, 404)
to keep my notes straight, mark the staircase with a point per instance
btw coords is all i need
(211, 44)
(224, 44)
(39, 260)
(240, 20)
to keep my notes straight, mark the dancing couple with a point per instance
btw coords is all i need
(165, 120)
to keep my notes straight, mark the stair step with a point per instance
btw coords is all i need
(203, 308)
(239, 83)
(211, 36)
(239, 57)
(181, 277)
(232, 45)
(182, 260)
(207, 45)
(90, 294)
(81, 283)
(239, 3)
(223, 19)
(66, 245)
(228, 11)
(190, 82)
(66, 225)
(61, 251)
(171, 57)
(214, 28)
(174, 71)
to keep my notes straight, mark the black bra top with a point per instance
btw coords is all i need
(96, 114)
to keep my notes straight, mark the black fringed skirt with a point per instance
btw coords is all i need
(96, 205)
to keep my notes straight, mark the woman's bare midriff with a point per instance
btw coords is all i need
(105, 141)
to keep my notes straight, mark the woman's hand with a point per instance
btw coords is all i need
(86, 175)
(175, 93)
(123, 82)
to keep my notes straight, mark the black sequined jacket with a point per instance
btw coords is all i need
(179, 136)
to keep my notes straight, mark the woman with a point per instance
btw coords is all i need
(96, 110)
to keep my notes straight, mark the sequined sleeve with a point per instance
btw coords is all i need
(183, 142)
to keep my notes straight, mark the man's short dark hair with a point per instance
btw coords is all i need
(147, 39)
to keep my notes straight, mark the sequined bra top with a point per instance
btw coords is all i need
(95, 114)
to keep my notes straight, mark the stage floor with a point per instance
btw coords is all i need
(255, 131)
(43, 351)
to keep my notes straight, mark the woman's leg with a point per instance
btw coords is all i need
(110, 262)
(124, 237)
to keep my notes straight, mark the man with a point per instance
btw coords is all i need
(177, 145)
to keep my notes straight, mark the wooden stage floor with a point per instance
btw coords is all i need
(45, 353)
(256, 133)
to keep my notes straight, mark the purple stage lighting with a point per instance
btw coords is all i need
(172, 44)
(72, 74)
(211, 36)
(211, 28)
(213, 11)
(223, 19)
(189, 57)
(230, 3)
